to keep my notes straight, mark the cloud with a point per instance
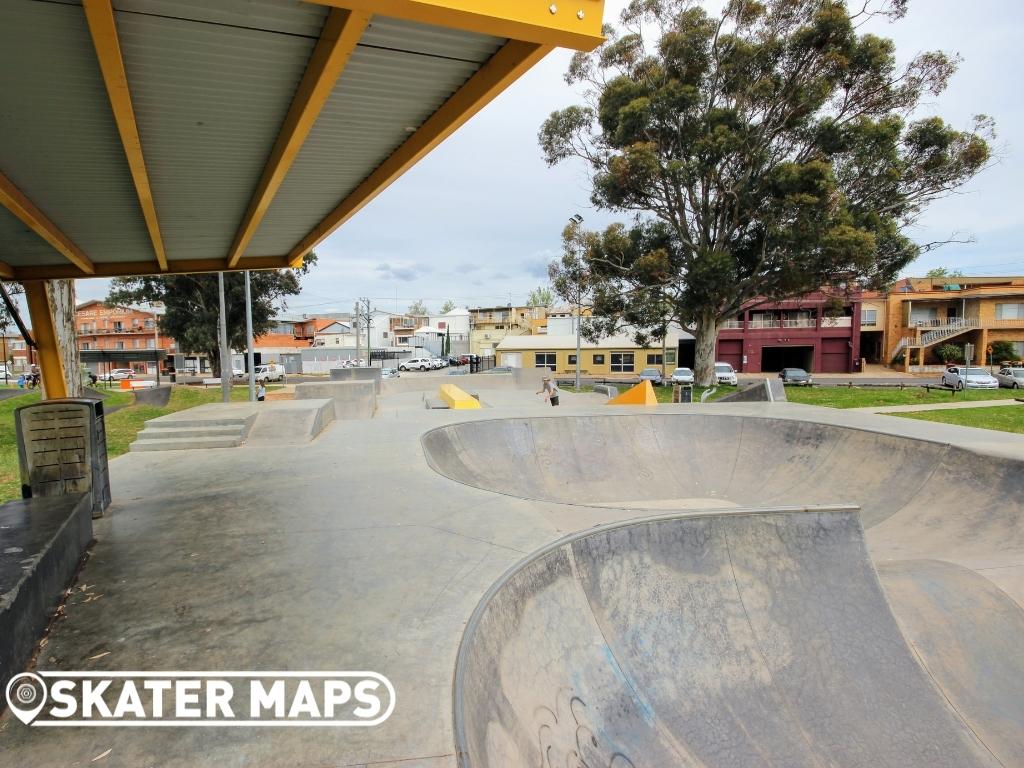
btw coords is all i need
(404, 274)
(537, 266)
(468, 266)
(499, 276)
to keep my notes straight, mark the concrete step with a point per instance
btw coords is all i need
(205, 431)
(226, 421)
(187, 443)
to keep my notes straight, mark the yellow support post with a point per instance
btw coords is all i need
(44, 332)
(567, 25)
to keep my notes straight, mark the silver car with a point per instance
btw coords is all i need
(682, 376)
(652, 375)
(957, 377)
(1011, 377)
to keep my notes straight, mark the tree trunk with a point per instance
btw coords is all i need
(61, 295)
(214, 354)
(704, 365)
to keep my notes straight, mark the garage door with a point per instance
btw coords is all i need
(835, 356)
(731, 351)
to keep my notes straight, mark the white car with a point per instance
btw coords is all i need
(682, 376)
(957, 377)
(416, 364)
(438, 363)
(1011, 377)
(389, 373)
(725, 374)
(272, 372)
(118, 374)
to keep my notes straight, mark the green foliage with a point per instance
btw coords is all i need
(950, 353)
(541, 296)
(192, 307)
(447, 307)
(418, 308)
(1003, 350)
(763, 153)
(943, 272)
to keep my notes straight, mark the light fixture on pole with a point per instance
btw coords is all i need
(578, 220)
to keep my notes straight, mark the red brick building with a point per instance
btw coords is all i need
(811, 332)
(102, 327)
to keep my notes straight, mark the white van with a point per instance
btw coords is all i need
(272, 372)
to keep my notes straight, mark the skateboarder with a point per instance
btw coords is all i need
(549, 390)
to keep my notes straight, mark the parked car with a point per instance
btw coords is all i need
(271, 372)
(389, 373)
(652, 375)
(415, 364)
(118, 374)
(1012, 377)
(725, 374)
(682, 376)
(957, 377)
(436, 363)
(796, 376)
(5, 372)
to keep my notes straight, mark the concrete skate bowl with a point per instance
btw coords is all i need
(743, 637)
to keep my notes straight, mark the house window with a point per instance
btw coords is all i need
(385, 334)
(654, 359)
(136, 343)
(85, 346)
(622, 362)
(150, 343)
(1009, 311)
(670, 357)
(869, 317)
(544, 360)
(598, 359)
(118, 345)
(118, 326)
(572, 359)
(149, 323)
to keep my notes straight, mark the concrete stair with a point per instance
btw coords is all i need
(187, 434)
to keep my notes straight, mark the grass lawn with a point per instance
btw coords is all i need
(1004, 418)
(868, 397)
(122, 425)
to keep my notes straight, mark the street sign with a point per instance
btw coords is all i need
(968, 353)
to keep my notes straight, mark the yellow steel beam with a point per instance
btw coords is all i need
(15, 201)
(44, 332)
(575, 24)
(6, 271)
(339, 37)
(514, 58)
(99, 14)
(136, 268)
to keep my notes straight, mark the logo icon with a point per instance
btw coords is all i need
(26, 696)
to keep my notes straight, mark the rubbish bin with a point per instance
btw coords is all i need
(62, 449)
(686, 393)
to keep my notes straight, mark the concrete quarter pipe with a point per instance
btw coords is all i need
(740, 637)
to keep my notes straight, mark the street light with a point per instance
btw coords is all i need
(577, 219)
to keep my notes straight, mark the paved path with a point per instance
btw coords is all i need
(954, 405)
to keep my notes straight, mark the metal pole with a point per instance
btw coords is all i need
(579, 309)
(225, 353)
(250, 355)
(369, 353)
(356, 321)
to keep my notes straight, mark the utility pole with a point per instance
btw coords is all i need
(356, 318)
(225, 353)
(250, 355)
(369, 322)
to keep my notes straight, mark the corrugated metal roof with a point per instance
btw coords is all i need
(397, 77)
(60, 144)
(210, 100)
(293, 17)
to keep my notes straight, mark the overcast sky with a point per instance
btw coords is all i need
(478, 219)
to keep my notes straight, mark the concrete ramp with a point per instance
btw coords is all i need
(739, 639)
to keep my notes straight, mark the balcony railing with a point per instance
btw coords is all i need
(732, 324)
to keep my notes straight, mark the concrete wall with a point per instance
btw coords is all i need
(352, 399)
(357, 374)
